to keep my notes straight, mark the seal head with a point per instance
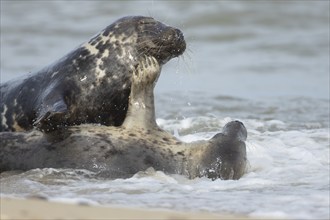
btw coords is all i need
(153, 38)
(162, 42)
(235, 130)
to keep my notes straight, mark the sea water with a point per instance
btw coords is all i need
(265, 63)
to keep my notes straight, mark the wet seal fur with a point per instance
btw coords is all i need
(92, 83)
(136, 145)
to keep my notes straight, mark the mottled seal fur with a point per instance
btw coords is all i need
(120, 152)
(91, 84)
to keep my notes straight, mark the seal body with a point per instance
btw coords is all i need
(120, 152)
(92, 83)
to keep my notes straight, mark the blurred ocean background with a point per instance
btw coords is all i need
(265, 63)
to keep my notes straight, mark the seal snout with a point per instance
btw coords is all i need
(174, 40)
(159, 40)
(181, 41)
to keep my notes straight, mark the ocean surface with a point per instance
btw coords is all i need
(265, 63)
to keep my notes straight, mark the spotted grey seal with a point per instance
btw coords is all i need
(120, 152)
(91, 84)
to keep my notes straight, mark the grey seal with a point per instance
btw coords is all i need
(136, 145)
(91, 84)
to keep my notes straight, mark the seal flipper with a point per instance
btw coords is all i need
(51, 115)
(141, 106)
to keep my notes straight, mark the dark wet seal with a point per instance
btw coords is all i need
(90, 84)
